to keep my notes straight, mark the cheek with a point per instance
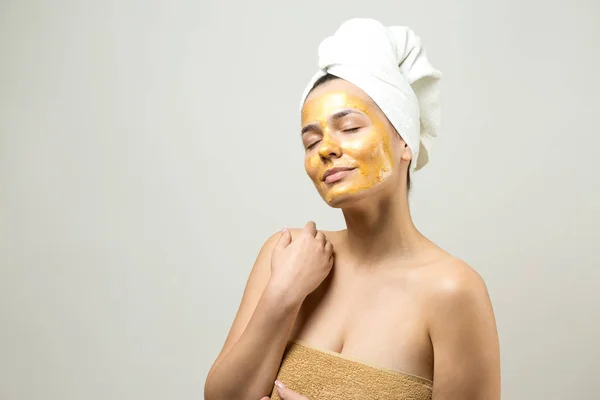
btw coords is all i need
(373, 151)
(311, 165)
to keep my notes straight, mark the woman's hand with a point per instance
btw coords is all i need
(299, 267)
(285, 393)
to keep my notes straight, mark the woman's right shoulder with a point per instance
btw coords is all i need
(263, 261)
(272, 240)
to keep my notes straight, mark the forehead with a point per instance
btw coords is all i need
(334, 95)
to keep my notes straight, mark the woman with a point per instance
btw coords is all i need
(377, 310)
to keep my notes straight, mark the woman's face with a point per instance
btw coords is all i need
(343, 128)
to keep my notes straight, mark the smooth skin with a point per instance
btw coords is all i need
(378, 291)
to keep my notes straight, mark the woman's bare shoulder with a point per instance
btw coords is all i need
(449, 280)
(447, 273)
(333, 236)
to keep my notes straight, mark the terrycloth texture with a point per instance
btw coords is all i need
(324, 375)
(389, 64)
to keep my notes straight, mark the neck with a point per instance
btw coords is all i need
(381, 230)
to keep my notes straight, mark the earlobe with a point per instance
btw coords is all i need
(406, 153)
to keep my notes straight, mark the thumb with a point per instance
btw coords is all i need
(286, 393)
(285, 239)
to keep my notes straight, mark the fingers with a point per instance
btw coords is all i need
(320, 236)
(329, 247)
(286, 393)
(310, 228)
(329, 250)
(285, 239)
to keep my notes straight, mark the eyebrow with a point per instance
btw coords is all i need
(335, 117)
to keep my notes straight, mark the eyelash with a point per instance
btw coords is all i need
(351, 130)
(312, 145)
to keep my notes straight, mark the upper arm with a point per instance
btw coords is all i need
(257, 282)
(464, 337)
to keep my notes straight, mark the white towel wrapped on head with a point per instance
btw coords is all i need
(389, 65)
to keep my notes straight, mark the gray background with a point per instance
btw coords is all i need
(147, 150)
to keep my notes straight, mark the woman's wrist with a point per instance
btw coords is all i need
(282, 298)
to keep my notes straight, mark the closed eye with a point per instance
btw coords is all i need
(351, 129)
(312, 145)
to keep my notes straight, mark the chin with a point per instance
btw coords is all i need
(340, 198)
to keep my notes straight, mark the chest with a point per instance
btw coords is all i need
(377, 318)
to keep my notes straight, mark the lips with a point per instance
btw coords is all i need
(335, 174)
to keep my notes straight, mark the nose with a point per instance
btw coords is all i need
(329, 148)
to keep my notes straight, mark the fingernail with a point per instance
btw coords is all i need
(279, 384)
(284, 229)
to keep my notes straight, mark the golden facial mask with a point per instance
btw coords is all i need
(368, 149)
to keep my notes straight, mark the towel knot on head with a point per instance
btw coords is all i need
(391, 67)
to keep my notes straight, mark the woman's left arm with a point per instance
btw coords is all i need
(464, 336)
